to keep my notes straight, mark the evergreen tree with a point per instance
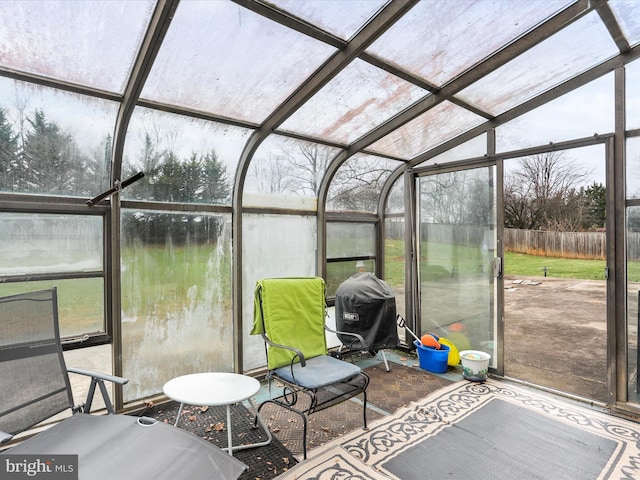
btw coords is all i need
(8, 153)
(596, 199)
(191, 180)
(47, 158)
(168, 180)
(215, 183)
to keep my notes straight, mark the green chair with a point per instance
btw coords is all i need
(290, 315)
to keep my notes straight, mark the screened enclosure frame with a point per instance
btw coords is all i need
(453, 94)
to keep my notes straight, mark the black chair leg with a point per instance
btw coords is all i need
(364, 411)
(364, 398)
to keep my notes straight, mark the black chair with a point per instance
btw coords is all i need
(34, 386)
(290, 314)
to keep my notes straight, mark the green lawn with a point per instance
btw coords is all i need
(519, 264)
(164, 278)
(531, 265)
(515, 264)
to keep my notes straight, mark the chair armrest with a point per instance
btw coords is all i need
(359, 337)
(286, 347)
(100, 376)
(4, 437)
(97, 379)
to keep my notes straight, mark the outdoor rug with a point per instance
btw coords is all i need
(484, 431)
(209, 423)
(387, 392)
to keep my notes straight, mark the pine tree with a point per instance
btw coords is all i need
(8, 153)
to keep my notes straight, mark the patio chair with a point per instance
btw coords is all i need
(35, 386)
(290, 315)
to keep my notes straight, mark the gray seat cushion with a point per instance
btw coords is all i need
(319, 372)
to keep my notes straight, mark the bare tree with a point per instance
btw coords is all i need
(306, 166)
(270, 175)
(544, 193)
(460, 197)
(299, 168)
(357, 184)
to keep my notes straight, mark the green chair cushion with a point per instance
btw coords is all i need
(291, 311)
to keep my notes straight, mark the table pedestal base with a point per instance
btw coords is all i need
(230, 447)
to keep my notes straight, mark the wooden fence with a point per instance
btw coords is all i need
(584, 245)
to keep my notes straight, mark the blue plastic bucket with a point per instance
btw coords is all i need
(432, 360)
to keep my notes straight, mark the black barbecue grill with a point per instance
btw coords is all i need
(366, 305)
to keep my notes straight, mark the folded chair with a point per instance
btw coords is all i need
(290, 315)
(34, 386)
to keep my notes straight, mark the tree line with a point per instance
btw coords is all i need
(201, 178)
(40, 157)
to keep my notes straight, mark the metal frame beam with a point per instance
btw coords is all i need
(385, 18)
(151, 44)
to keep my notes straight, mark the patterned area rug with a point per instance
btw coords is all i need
(387, 392)
(484, 431)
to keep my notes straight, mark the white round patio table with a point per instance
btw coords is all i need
(216, 389)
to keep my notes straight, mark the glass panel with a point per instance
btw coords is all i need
(272, 246)
(439, 124)
(287, 173)
(394, 244)
(341, 18)
(349, 241)
(346, 240)
(36, 244)
(554, 269)
(444, 34)
(633, 94)
(33, 244)
(633, 302)
(185, 160)
(89, 43)
(395, 200)
(394, 262)
(633, 168)
(628, 14)
(456, 250)
(95, 359)
(358, 182)
(230, 61)
(176, 297)
(581, 45)
(358, 99)
(53, 142)
(474, 148)
(80, 303)
(581, 113)
(338, 272)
